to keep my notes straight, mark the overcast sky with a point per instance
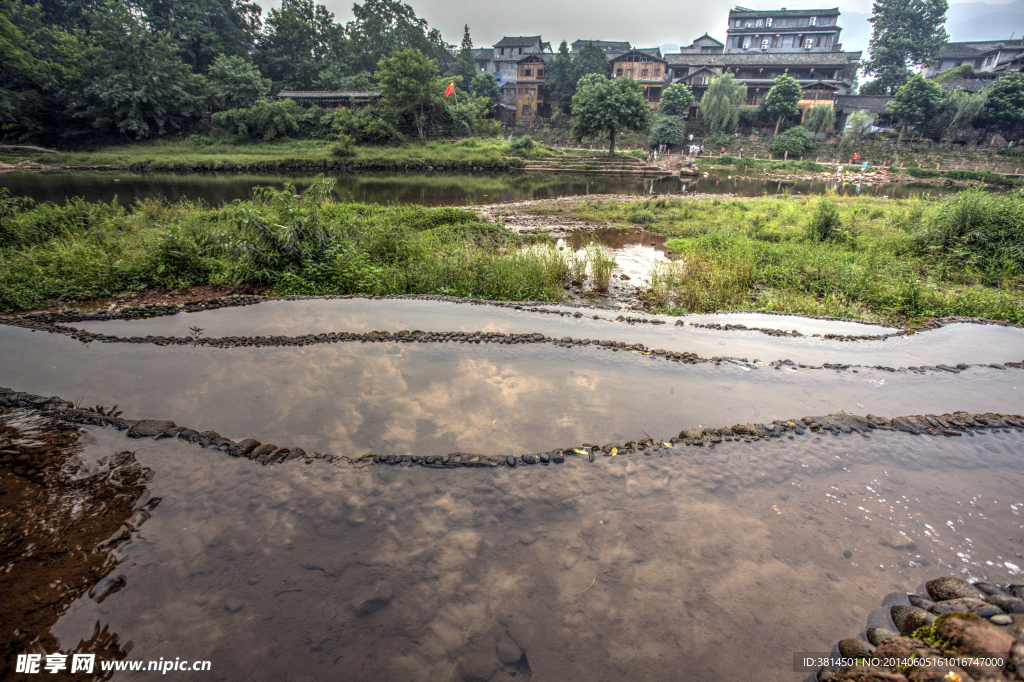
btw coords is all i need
(647, 23)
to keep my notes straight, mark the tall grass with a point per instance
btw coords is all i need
(601, 265)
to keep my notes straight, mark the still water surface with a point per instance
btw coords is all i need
(430, 189)
(691, 564)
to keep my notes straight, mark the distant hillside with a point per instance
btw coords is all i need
(985, 20)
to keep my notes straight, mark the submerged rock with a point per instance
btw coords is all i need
(373, 598)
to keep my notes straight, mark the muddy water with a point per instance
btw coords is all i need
(635, 251)
(953, 344)
(356, 398)
(430, 189)
(696, 565)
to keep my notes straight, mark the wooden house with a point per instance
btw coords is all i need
(645, 65)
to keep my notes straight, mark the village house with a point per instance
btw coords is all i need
(647, 66)
(766, 31)
(703, 45)
(994, 57)
(532, 96)
(506, 55)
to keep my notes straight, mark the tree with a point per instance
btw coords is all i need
(782, 99)
(560, 76)
(904, 33)
(720, 104)
(486, 85)
(877, 87)
(602, 106)
(916, 102)
(796, 141)
(591, 59)
(300, 40)
(670, 130)
(235, 83)
(820, 118)
(676, 99)
(464, 68)
(135, 84)
(959, 110)
(1005, 106)
(382, 27)
(204, 29)
(411, 85)
(334, 78)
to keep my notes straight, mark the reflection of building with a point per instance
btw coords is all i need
(767, 31)
(645, 65)
(994, 57)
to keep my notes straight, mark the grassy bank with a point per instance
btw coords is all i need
(296, 244)
(203, 154)
(861, 257)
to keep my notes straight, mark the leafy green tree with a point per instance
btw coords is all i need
(670, 130)
(382, 27)
(878, 88)
(235, 82)
(467, 111)
(591, 59)
(204, 29)
(334, 78)
(959, 109)
(411, 85)
(602, 106)
(300, 40)
(781, 101)
(560, 77)
(676, 99)
(21, 75)
(904, 33)
(819, 118)
(263, 120)
(135, 84)
(797, 140)
(721, 102)
(1005, 105)
(486, 85)
(916, 102)
(464, 68)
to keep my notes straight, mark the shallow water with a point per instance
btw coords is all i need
(438, 398)
(635, 251)
(952, 344)
(430, 189)
(697, 564)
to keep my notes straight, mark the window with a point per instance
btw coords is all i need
(746, 43)
(764, 44)
(817, 42)
(643, 73)
(618, 72)
(782, 22)
(758, 23)
(629, 73)
(526, 110)
(502, 50)
(540, 73)
(813, 21)
(527, 73)
(739, 23)
(768, 21)
(657, 72)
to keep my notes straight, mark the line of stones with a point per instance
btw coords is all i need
(417, 336)
(165, 309)
(949, 425)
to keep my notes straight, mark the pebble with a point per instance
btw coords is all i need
(942, 589)
(855, 648)
(1001, 619)
(878, 635)
(510, 460)
(529, 459)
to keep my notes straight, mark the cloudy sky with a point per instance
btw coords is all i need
(644, 24)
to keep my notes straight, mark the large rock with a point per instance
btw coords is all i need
(973, 636)
(1006, 603)
(942, 589)
(909, 618)
(878, 635)
(855, 648)
(508, 652)
(150, 428)
(963, 605)
(243, 447)
(373, 598)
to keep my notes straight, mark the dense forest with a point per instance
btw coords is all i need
(83, 71)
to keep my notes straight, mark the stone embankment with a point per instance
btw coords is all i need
(959, 632)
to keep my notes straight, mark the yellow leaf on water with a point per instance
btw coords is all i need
(615, 451)
(579, 451)
(667, 445)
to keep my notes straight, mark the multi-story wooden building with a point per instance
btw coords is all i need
(645, 65)
(532, 96)
(767, 31)
(993, 57)
(507, 53)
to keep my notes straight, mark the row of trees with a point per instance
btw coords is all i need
(134, 69)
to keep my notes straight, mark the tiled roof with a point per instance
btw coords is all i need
(605, 45)
(654, 52)
(870, 103)
(765, 59)
(536, 56)
(977, 48)
(743, 13)
(326, 94)
(705, 38)
(517, 41)
(483, 53)
(968, 84)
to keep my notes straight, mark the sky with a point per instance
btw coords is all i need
(649, 23)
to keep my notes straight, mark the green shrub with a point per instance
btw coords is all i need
(923, 173)
(825, 224)
(641, 217)
(522, 146)
(797, 140)
(263, 121)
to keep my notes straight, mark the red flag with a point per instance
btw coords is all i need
(450, 89)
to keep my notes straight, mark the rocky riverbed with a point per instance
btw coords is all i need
(956, 631)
